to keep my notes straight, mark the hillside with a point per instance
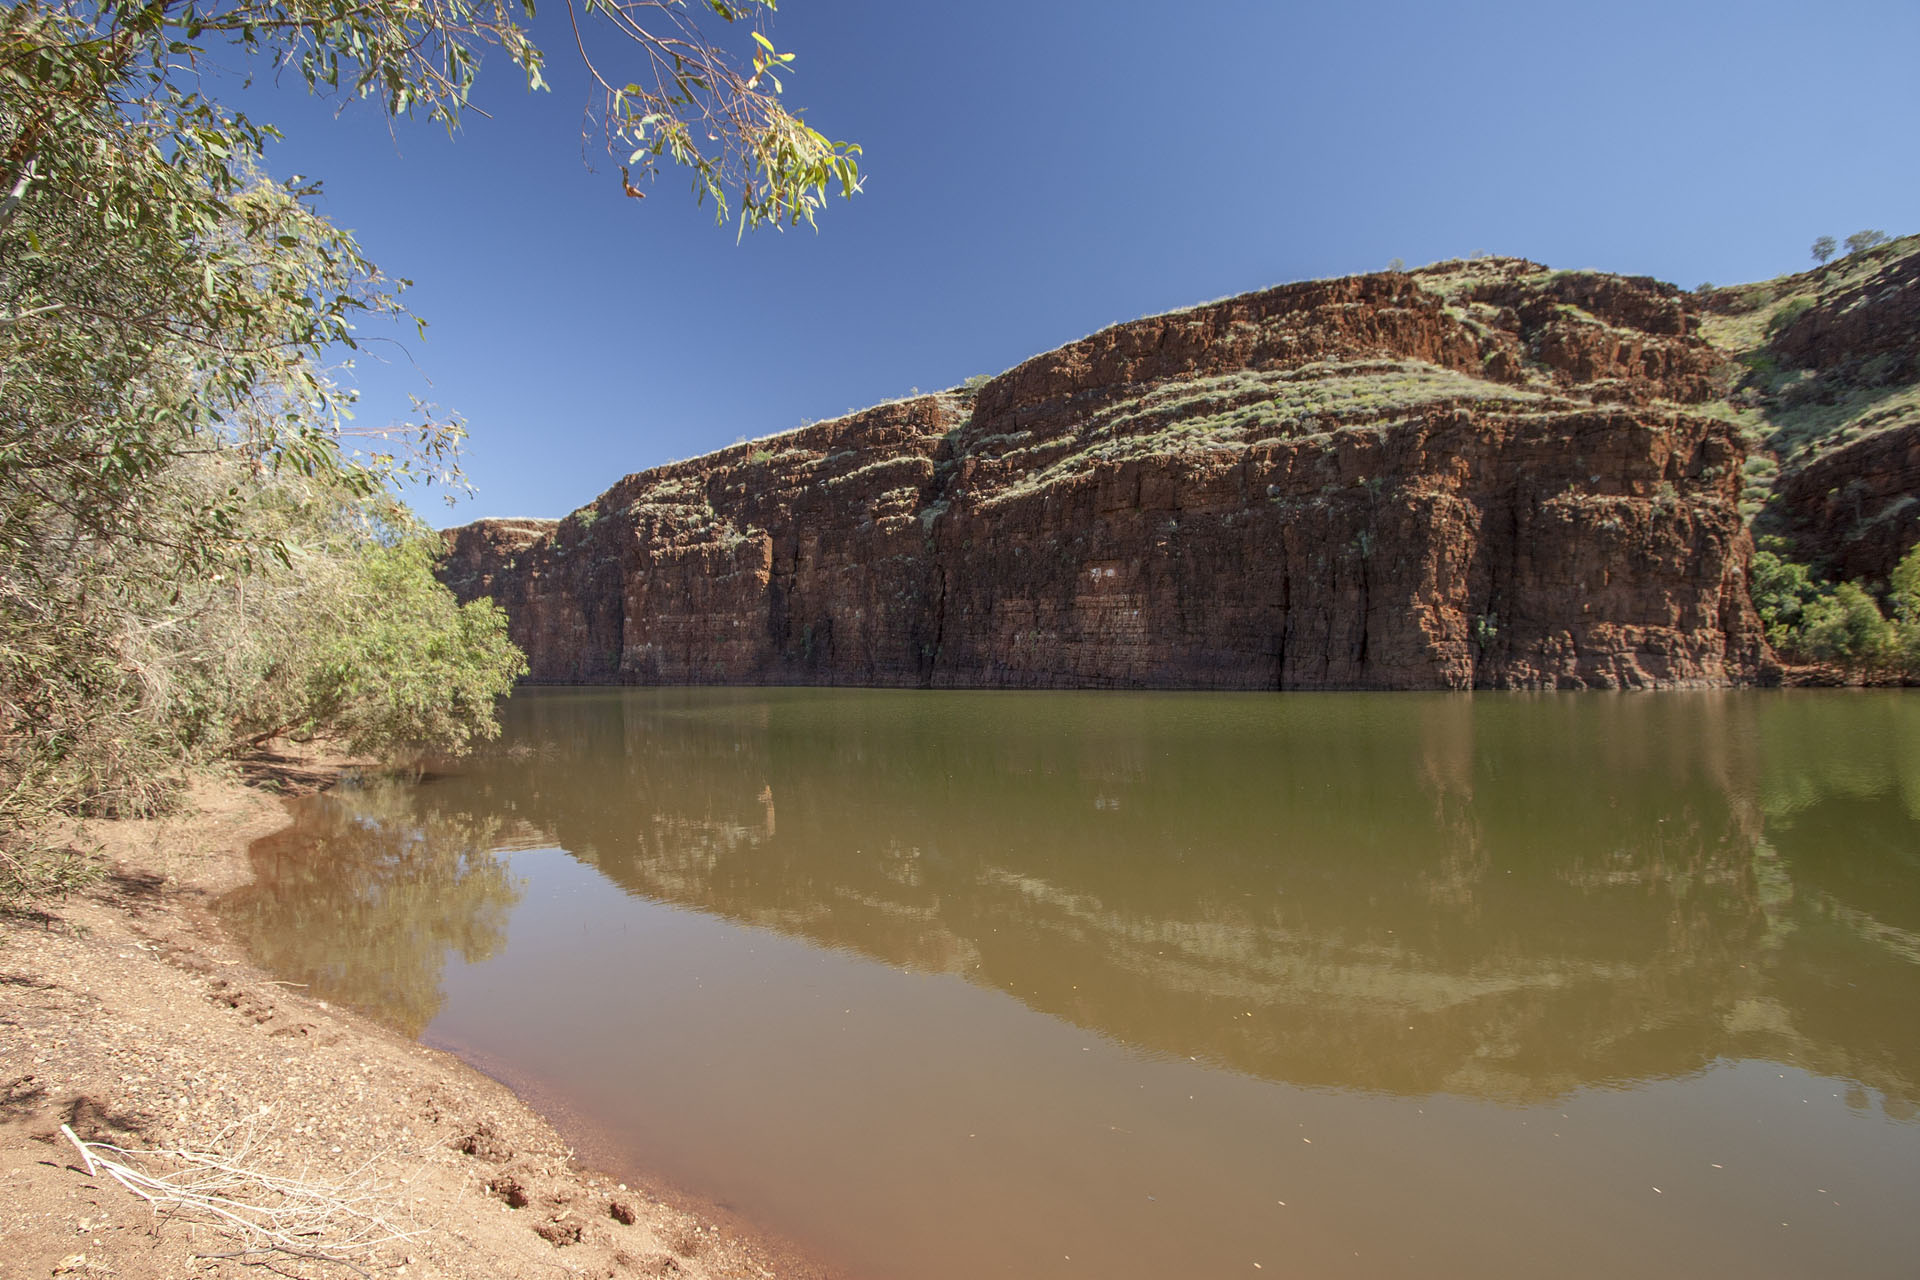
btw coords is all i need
(1480, 474)
(1826, 384)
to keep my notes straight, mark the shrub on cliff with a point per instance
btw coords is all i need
(1786, 313)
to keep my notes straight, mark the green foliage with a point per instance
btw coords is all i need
(1904, 589)
(1810, 620)
(1861, 241)
(1846, 627)
(1782, 591)
(380, 654)
(120, 671)
(1486, 629)
(1823, 249)
(196, 550)
(666, 90)
(424, 671)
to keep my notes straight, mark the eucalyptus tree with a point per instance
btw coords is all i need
(195, 546)
(152, 284)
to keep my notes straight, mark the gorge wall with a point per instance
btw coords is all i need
(1831, 387)
(1478, 475)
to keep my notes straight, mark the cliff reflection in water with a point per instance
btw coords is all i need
(1507, 897)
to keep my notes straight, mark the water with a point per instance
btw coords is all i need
(955, 984)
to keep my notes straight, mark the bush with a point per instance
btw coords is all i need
(1904, 588)
(397, 666)
(1781, 590)
(1809, 620)
(120, 671)
(1846, 628)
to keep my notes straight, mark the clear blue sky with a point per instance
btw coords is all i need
(1039, 169)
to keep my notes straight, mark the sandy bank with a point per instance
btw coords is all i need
(128, 1015)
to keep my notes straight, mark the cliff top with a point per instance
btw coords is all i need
(1804, 365)
(1295, 359)
(1823, 357)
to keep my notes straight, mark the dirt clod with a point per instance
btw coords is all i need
(511, 1191)
(483, 1141)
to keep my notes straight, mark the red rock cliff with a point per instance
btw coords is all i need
(1480, 475)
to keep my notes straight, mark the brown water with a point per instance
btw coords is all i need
(998, 984)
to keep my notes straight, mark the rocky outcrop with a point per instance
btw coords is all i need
(1481, 475)
(476, 553)
(1855, 511)
(1863, 326)
(1831, 384)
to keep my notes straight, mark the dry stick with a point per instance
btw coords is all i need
(84, 1153)
(305, 1210)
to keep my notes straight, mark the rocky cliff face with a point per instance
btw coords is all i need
(1830, 387)
(1853, 512)
(1478, 475)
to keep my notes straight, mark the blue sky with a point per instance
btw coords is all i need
(1039, 170)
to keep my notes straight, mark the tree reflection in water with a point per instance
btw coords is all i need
(366, 895)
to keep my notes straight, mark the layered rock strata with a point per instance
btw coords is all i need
(1480, 475)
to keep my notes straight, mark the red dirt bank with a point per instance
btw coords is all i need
(127, 1014)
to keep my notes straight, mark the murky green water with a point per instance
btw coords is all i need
(951, 985)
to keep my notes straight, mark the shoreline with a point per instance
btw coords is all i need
(132, 1016)
(1783, 675)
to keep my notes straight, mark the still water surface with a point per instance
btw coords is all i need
(1010, 984)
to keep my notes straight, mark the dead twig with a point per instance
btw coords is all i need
(298, 1217)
